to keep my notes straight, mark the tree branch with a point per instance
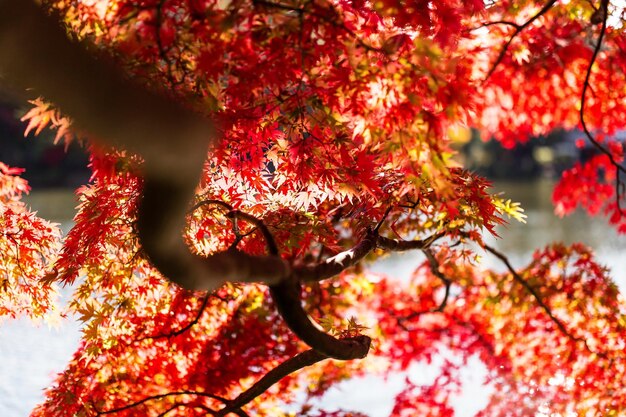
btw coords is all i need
(158, 397)
(291, 365)
(286, 296)
(333, 266)
(233, 214)
(518, 30)
(287, 293)
(604, 11)
(434, 268)
(520, 280)
(404, 245)
(183, 329)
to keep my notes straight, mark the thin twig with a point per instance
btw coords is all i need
(291, 365)
(159, 41)
(586, 86)
(396, 245)
(497, 22)
(183, 329)
(518, 30)
(531, 290)
(447, 282)
(159, 397)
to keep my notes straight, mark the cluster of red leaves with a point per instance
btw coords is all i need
(29, 245)
(537, 86)
(590, 186)
(561, 357)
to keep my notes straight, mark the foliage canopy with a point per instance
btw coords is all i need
(331, 129)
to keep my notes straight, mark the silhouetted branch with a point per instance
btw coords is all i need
(586, 85)
(382, 220)
(434, 268)
(159, 397)
(518, 30)
(287, 297)
(288, 367)
(183, 329)
(237, 214)
(291, 365)
(404, 245)
(334, 265)
(520, 280)
(287, 293)
(498, 22)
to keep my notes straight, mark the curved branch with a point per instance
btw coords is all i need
(159, 397)
(518, 30)
(586, 85)
(348, 258)
(520, 280)
(434, 268)
(286, 296)
(497, 22)
(404, 245)
(287, 293)
(232, 213)
(291, 365)
(336, 264)
(185, 327)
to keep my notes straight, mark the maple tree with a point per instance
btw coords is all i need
(251, 158)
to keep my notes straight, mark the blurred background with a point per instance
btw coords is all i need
(33, 353)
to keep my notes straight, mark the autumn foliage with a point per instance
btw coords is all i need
(335, 127)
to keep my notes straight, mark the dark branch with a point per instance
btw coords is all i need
(434, 268)
(518, 30)
(586, 85)
(404, 245)
(531, 290)
(498, 22)
(185, 328)
(335, 265)
(286, 296)
(382, 220)
(291, 365)
(287, 293)
(159, 397)
(231, 213)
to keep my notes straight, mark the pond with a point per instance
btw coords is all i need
(32, 355)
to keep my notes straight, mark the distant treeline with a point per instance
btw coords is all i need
(50, 165)
(47, 165)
